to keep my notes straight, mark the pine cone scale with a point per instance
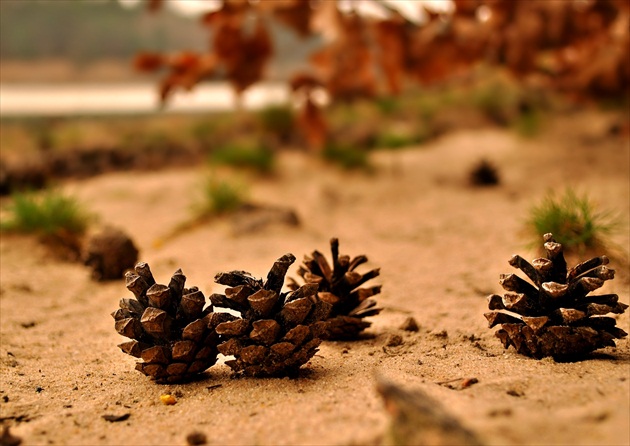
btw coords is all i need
(265, 331)
(129, 327)
(536, 323)
(156, 355)
(192, 303)
(159, 296)
(584, 267)
(237, 327)
(132, 348)
(195, 330)
(531, 272)
(263, 301)
(156, 323)
(295, 312)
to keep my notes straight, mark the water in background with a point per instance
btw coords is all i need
(82, 99)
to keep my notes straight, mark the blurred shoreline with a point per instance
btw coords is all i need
(71, 98)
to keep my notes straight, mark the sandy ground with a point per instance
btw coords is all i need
(441, 246)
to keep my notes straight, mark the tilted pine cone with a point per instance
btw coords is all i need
(277, 332)
(170, 329)
(339, 286)
(555, 316)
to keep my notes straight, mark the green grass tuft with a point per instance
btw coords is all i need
(221, 197)
(347, 157)
(48, 213)
(573, 221)
(278, 120)
(244, 155)
(528, 124)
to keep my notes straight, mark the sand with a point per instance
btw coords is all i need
(441, 246)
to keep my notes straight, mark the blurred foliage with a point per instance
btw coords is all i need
(348, 157)
(221, 196)
(574, 221)
(575, 47)
(48, 213)
(243, 153)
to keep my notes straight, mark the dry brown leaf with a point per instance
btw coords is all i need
(313, 125)
(294, 13)
(391, 38)
(148, 61)
(154, 5)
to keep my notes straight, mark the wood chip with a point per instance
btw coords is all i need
(116, 418)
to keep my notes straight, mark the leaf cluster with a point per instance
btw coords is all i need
(362, 55)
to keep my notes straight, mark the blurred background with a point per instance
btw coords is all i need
(94, 86)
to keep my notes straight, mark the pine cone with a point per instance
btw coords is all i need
(109, 252)
(170, 330)
(277, 332)
(340, 288)
(555, 316)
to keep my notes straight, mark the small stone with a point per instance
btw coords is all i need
(168, 400)
(410, 324)
(393, 340)
(441, 334)
(196, 438)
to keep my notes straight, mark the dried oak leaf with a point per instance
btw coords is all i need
(242, 50)
(154, 5)
(294, 13)
(148, 62)
(391, 38)
(312, 124)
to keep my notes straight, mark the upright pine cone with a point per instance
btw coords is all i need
(170, 330)
(339, 286)
(277, 332)
(555, 316)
